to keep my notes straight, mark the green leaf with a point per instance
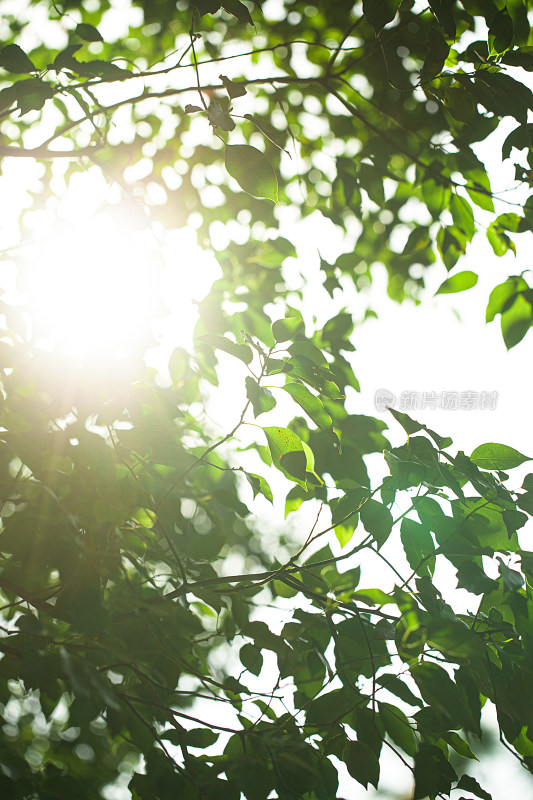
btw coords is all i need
(438, 50)
(471, 785)
(443, 10)
(241, 351)
(272, 253)
(480, 197)
(470, 576)
(499, 241)
(262, 399)
(500, 33)
(287, 453)
(512, 580)
(295, 497)
(458, 283)
(238, 10)
(308, 350)
(14, 59)
(31, 94)
(502, 296)
(380, 12)
(98, 68)
(433, 772)
(344, 514)
(459, 745)
(463, 216)
(251, 658)
(493, 456)
(259, 485)
(88, 32)
(516, 321)
(377, 520)
(252, 170)
(419, 546)
(362, 763)
(285, 329)
(412, 426)
(218, 114)
(201, 737)
(233, 89)
(451, 244)
(206, 6)
(313, 407)
(397, 687)
(373, 597)
(398, 727)
(145, 517)
(437, 688)
(454, 639)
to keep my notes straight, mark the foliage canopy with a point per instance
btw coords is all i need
(129, 643)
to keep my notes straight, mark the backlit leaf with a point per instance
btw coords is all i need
(261, 398)
(312, 406)
(252, 170)
(458, 283)
(241, 351)
(497, 456)
(287, 453)
(285, 329)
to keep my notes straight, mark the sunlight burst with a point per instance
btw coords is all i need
(92, 287)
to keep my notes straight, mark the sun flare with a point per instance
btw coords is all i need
(92, 287)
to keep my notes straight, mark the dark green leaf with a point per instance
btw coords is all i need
(419, 546)
(433, 772)
(437, 688)
(362, 763)
(201, 737)
(398, 727)
(251, 658)
(512, 580)
(65, 59)
(471, 785)
(238, 10)
(443, 10)
(454, 639)
(207, 6)
(88, 32)
(397, 687)
(14, 59)
(471, 576)
(377, 520)
(501, 32)
(233, 89)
